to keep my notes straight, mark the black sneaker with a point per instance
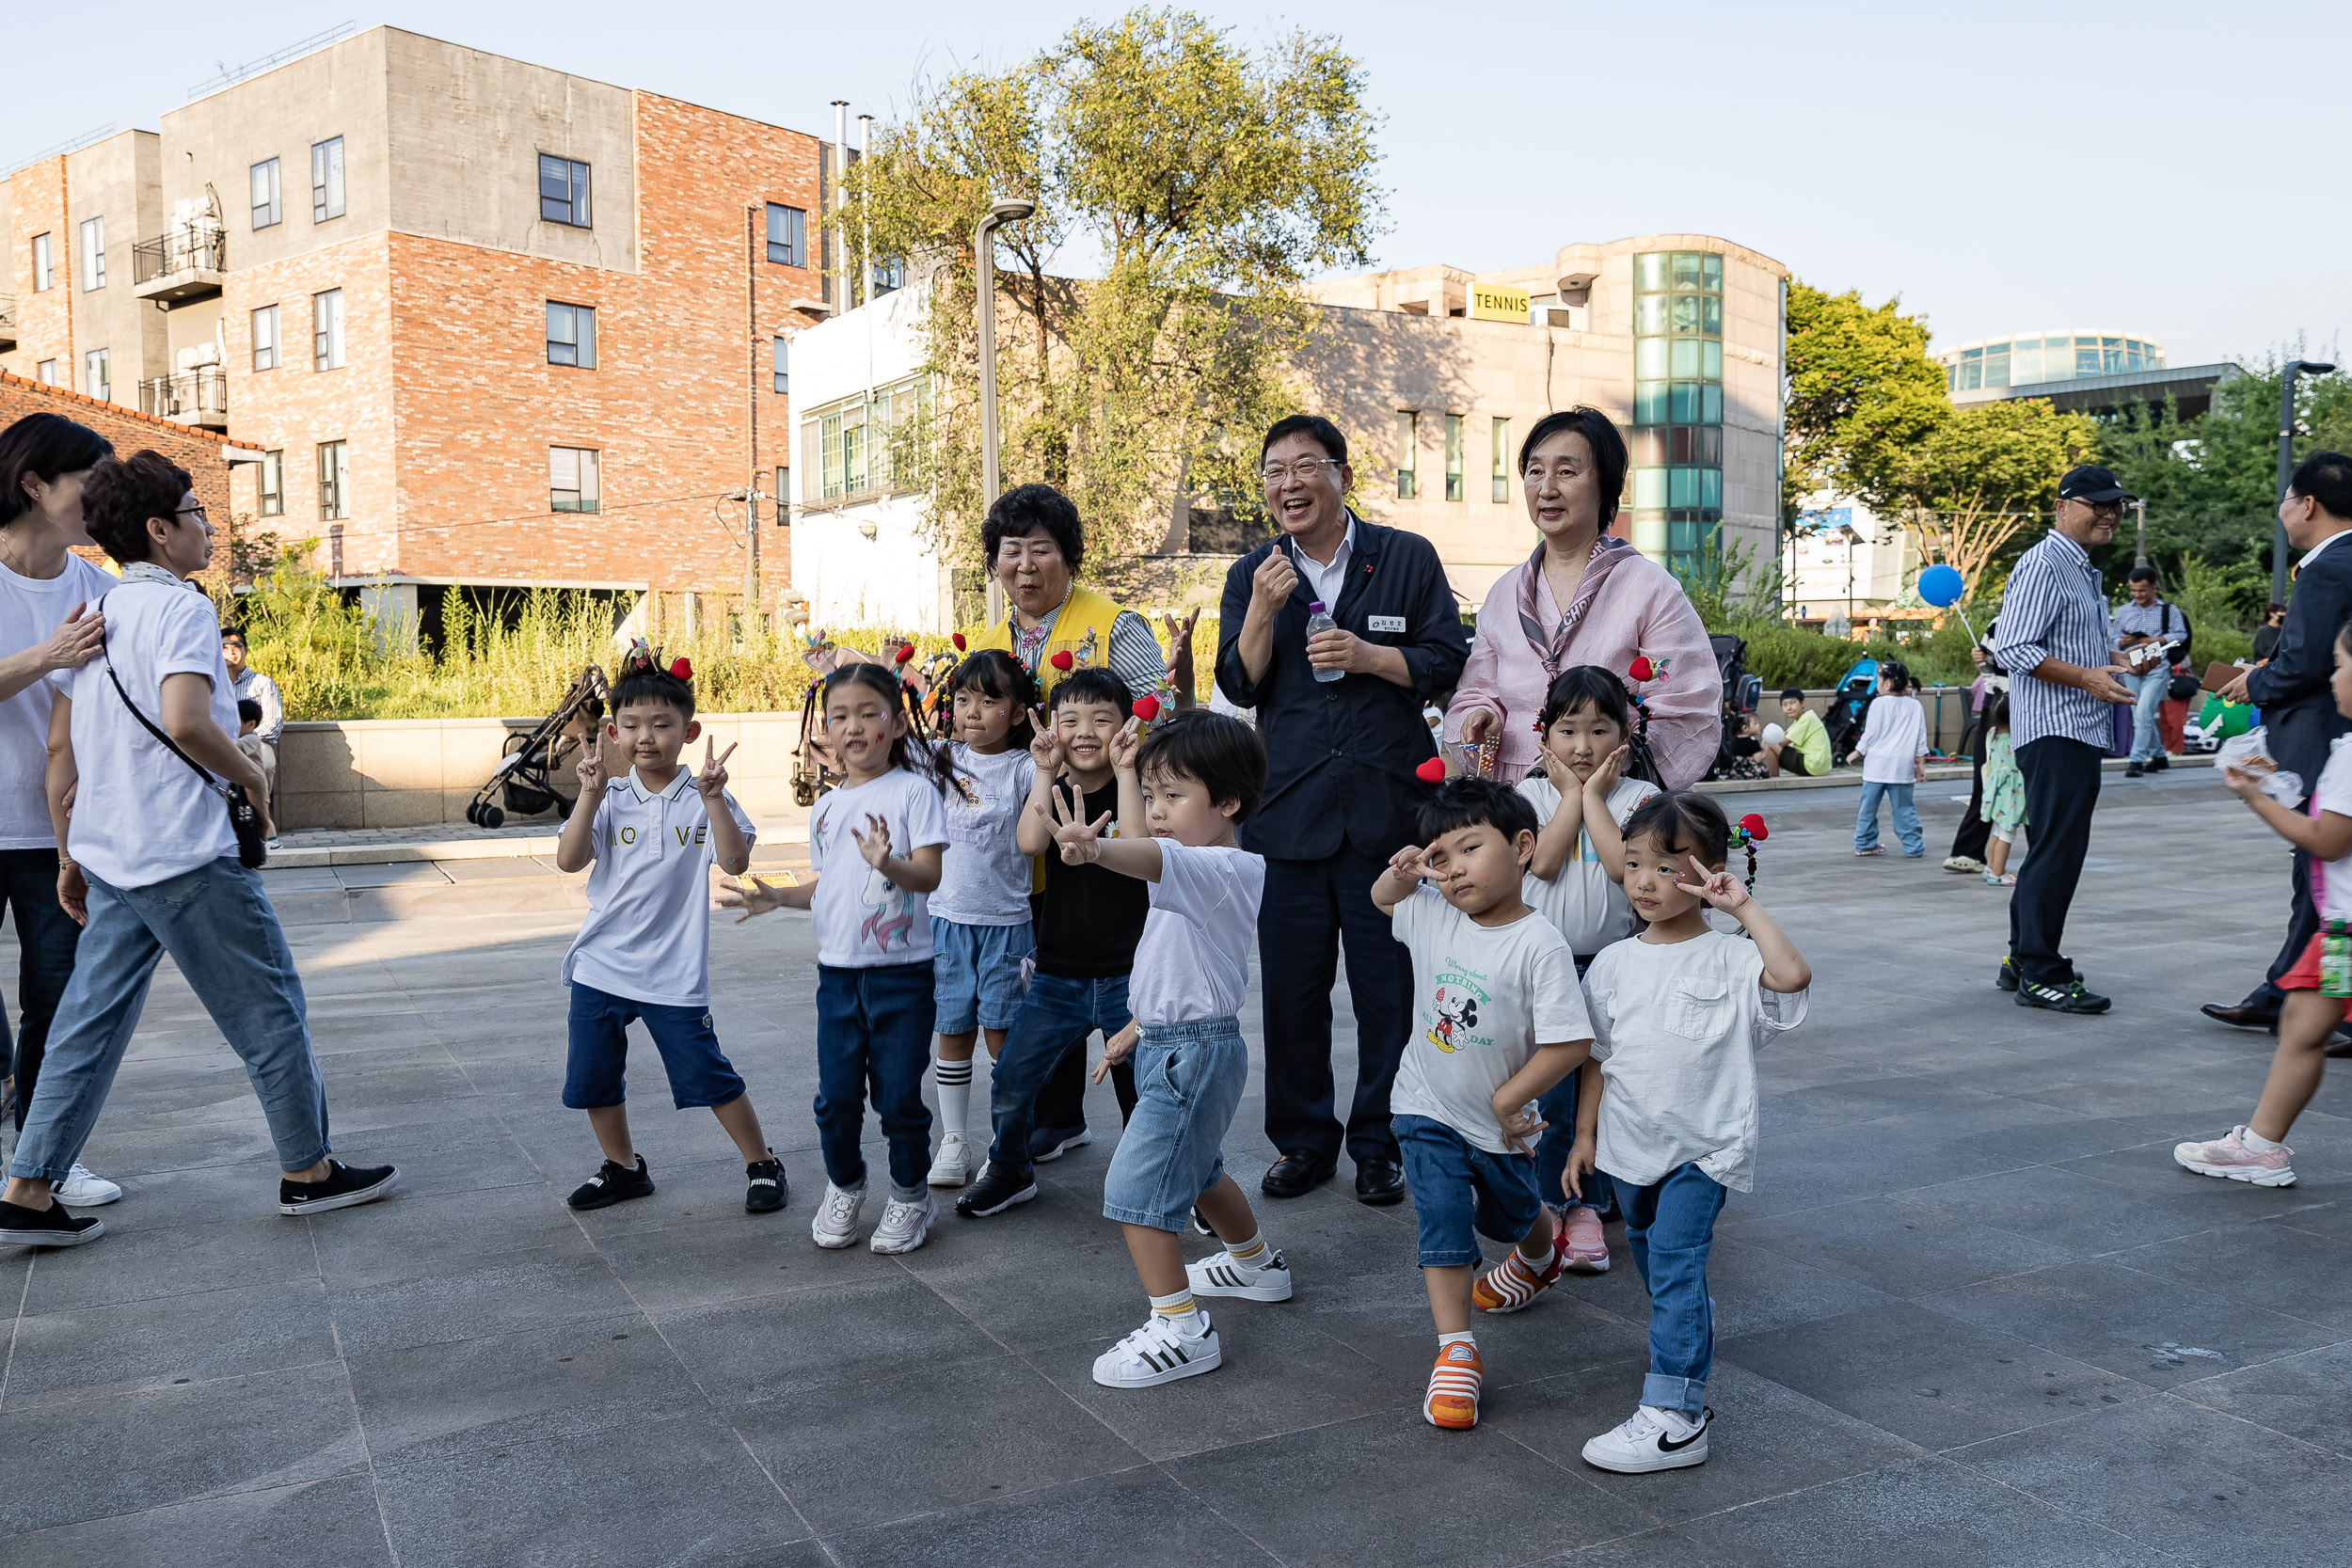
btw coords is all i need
(1047, 1144)
(2071, 997)
(615, 1182)
(996, 1190)
(2158, 763)
(768, 1190)
(345, 1187)
(50, 1227)
(2133, 770)
(2007, 978)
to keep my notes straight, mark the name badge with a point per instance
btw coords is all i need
(1385, 622)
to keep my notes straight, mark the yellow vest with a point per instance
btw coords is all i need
(1082, 629)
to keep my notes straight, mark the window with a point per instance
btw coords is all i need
(268, 211)
(572, 478)
(853, 440)
(44, 275)
(1677, 441)
(46, 372)
(1408, 454)
(273, 485)
(327, 331)
(572, 335)
(326, 180)
(779, 351)
(886, 278)
(564, 191)
(265, 338)
(787, 236)
(1453, 485)
(334, 489)
(1502, 461)
(94, 253)
(784, 497)
(94, 378)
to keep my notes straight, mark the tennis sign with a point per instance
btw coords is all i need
(1490, 302)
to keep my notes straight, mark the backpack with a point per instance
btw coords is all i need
(2181, 688)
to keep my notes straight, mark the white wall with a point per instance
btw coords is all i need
(1815, 565)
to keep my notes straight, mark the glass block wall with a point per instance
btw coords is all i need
(1677, 436)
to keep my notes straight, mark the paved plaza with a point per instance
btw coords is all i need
(1972, 1313)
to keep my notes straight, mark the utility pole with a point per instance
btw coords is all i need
(2139, 554)
(1005, 210)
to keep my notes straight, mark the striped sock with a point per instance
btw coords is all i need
(1178, 1311)
(955, 1092)
(1250, 1252)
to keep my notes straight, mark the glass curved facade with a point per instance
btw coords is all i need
(2033, 359)
(1677, 436)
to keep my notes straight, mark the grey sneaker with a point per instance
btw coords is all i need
(905, 1226)
(835, 1225)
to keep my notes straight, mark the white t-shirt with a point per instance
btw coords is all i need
(984, 879)
(1675, 1028)
(647, 935)
(30, 610)
(1193, 962)
(140, 814)
(1894, 736)
(2332, 880)
(1588, 909)
(1485, 997)
(863, 919)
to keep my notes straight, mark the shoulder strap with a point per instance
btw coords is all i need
(149, 724)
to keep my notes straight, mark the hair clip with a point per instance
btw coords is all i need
(681, 667)
(1431, 771)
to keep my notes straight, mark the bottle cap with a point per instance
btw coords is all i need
(1316, 607)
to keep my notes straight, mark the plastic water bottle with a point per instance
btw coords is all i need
(2335, 962)
(1319, 619)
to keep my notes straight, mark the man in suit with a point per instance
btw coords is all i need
(1340, 788)
(2298, 711)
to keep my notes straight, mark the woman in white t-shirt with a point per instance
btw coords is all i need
(46, 625)
(1894, 742)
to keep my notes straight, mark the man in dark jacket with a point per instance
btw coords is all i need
(1340, 788)
(2298, 710)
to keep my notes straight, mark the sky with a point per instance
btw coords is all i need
(2151, 168)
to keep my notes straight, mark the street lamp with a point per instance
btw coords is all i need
(1845, 532)
(2286, 469)
(1006, 210)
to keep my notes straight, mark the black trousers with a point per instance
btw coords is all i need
(1975, 834)
(2061, 790)
(1062, 1104)
(45, 938)
(1310, 907)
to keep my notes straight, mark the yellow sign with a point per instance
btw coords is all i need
(1491, 302)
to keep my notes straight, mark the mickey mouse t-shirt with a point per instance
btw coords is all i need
(1485, 998)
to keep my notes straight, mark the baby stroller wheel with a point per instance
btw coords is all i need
(473, 812)
(492, 817)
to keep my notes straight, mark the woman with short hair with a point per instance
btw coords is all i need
(1035, 544)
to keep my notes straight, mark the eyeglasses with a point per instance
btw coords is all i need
(2102, 509)
(196, 515)
(1306, 468)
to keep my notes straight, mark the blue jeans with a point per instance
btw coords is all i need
(976, 973)
(220, 929)
(1865, 822)
(46, 939)
(1462, 1191)
(2147, 696)
(1189, 1079)
(874, 1029)
(596, 1065)
(1670, 1228)
(1057, 1019)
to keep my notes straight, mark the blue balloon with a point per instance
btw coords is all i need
(1940, 586)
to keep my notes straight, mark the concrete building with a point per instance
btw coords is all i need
(2078, 371)
(1845, 563)
(493, 324)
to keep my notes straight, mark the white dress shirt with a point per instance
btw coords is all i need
(1324, 582)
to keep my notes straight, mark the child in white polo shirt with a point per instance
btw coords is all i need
(644, 950)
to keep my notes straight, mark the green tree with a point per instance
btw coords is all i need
(1982, 477)
(1862, 393)
(1209, 181)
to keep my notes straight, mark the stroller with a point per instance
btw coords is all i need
(1742, 692)
(1848, 709)
(814, 770)
(523, 778)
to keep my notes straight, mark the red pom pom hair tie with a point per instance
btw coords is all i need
(958, 641)
(682, 668)
(906, 651)
(1751, 832)
(1432, 772)
(1753, 826)
(1146, 707)
(1643, 669)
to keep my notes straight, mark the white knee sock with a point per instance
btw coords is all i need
(955, 1093)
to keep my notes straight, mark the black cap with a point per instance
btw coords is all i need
(2092, 483)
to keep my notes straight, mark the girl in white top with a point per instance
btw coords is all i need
(1678, 1013)
(1894, 742)
(981, 912)
(874, 982)
(1581, 802)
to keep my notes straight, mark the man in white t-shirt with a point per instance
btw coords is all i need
(143, 733)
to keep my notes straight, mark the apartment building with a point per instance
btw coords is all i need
(493, 324)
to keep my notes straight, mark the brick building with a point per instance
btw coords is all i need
(492, 324)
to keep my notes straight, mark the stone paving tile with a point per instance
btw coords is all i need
(333, 1521)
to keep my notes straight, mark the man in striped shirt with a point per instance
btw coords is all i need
(2053, 638)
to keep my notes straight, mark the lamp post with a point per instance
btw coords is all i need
(1846, 532)
(1007, 210)
(2286, 469)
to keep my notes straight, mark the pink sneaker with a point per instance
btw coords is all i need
(1587, 1250)
(2230, 1157)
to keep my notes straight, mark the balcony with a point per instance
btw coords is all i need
(8, 323)
(199, 397)
(183, 265)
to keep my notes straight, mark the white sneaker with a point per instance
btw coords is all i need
(904, 1225)
(1269, 1279)
(85, 1189)
(952, 1166)
(1158, 1353)
(1653, 1439)
(835, 1225)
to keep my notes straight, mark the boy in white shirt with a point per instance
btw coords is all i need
(1501, 1021)
(1678, 1013)
(1181, 791)
(644, 950)
(1893, 746)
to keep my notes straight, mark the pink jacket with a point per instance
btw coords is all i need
(1640, 610)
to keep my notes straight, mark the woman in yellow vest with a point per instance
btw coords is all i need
(1034, 543)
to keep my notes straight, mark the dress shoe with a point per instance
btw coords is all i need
(1297, 1174)
(2242, 1015)
(1379, 1182)
(2340, 1043)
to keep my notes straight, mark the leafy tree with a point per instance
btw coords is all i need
(1983, 475)
(1211, 183)
(1861, 391)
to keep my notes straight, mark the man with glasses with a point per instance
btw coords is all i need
(2053, 638)
(1340, 788)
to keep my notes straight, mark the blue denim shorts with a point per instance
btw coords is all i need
(976, 975)
(700, 1073)
(1189, 1079)
(1459, 1188)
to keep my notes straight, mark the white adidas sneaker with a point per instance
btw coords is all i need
(1159, 1352)
(1219, 1274)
